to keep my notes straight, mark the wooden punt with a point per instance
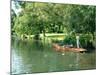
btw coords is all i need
(65, 48)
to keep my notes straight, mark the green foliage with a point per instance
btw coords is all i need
(71, 39)
(13, 18)
(36, 18)
(36, 37)
(86, 40)
(82, 18)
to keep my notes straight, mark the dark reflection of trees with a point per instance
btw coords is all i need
(32, 53)
(38, 45)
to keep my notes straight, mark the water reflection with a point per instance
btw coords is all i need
(34, 56)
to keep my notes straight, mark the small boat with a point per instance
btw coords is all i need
(67, 48)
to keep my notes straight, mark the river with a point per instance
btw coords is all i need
(28, 56)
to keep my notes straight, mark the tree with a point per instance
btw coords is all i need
(36, 18)
(13, 18)
(82, 19)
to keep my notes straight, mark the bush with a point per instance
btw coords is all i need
(70, 40)
(86, 40)
(37, 37)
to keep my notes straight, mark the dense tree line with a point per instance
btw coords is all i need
(36, 18)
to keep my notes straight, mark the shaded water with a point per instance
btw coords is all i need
(35, 56)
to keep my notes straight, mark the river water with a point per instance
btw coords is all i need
(30, 56)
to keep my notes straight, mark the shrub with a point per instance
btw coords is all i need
(70, 40)
(37, 37)
(86, 40)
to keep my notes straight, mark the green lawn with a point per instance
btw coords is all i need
(58, 36)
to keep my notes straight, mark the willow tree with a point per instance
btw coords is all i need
(13, 18)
